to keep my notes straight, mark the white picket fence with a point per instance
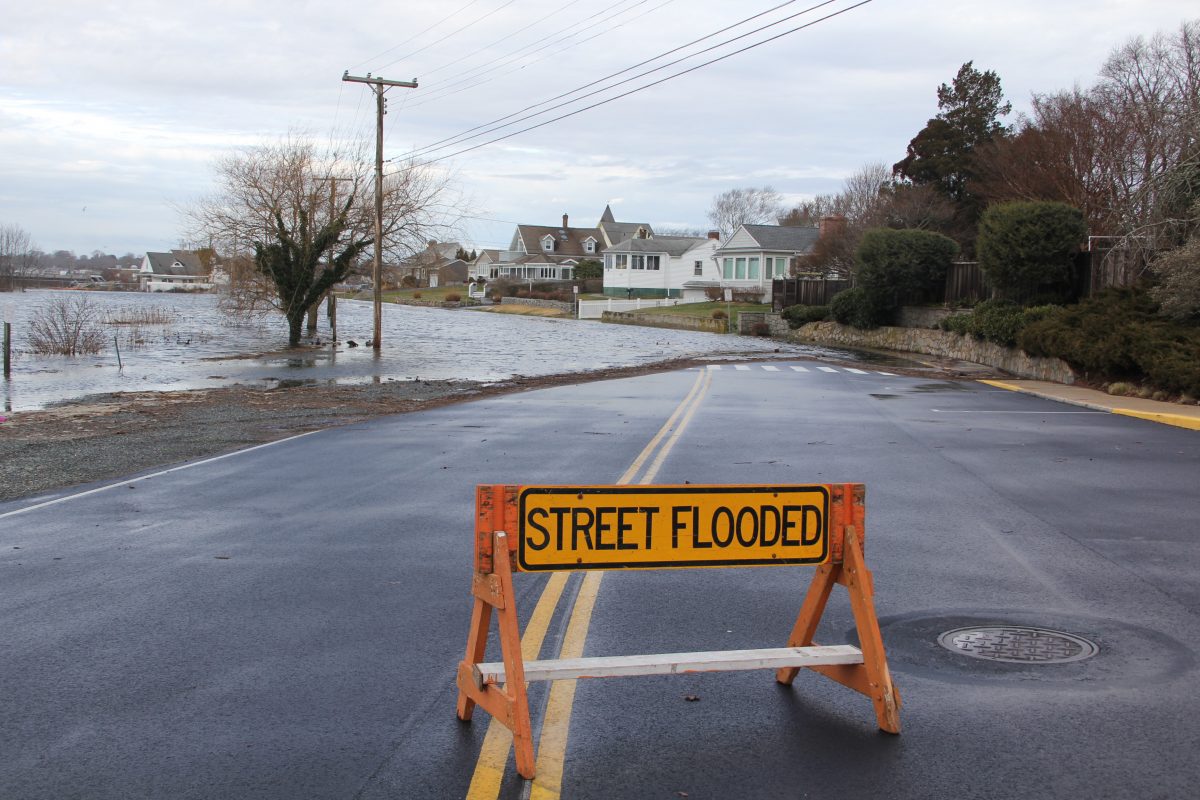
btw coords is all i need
(594, 309)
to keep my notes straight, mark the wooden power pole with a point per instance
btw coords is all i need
(379, 86)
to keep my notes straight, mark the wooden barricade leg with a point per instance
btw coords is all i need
(857, 580)
(810, 615)
(510, 705)
(871, 678)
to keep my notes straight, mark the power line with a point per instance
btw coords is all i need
(466, 76)
(463, 136)
(415, 36)
(648, 85)
(533, 24)
(448, 35)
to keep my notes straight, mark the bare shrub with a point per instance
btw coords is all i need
(67, 326)
(140, 316)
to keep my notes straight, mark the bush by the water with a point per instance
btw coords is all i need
(1119, 335)
(66, 326)
(997, 321)
(860, 308)
(795, 316)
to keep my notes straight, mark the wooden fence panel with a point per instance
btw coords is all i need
(804, 291)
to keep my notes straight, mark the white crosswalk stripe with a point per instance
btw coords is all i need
(797, 368)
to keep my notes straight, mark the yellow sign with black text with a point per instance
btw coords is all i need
(651, 527)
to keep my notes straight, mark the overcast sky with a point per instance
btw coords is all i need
(111, 114)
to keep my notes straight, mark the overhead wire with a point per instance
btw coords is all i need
(562, 41)
(415, 36)
(637, 89)
(464, 137)
(448, 35)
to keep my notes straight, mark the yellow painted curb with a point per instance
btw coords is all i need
(1002, 385)
(1178, 420)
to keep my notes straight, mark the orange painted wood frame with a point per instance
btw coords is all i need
(496, 514)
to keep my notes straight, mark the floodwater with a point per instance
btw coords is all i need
(199, 346)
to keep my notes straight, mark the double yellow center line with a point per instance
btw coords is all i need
(552, 745)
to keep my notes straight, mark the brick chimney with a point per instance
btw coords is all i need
(833, 225)
(564, 221)
(714, 235)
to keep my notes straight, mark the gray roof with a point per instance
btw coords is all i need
(782, 237)
(671, 245)
(618, 231)
(176, 262)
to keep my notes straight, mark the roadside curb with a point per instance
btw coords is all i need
(1177, 420)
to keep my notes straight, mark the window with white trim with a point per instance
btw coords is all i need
(652, 262)
(548, 244)
(589, 245)
(739, 272)
(697, 267)
(728, 269)
(621, 262)
(637, 261)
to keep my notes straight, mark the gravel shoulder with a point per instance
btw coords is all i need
(104, 437)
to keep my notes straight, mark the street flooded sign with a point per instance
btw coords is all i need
(651, 527)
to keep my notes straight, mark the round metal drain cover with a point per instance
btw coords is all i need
(1018, 645)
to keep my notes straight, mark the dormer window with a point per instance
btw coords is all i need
(548, 243)
(589, 245)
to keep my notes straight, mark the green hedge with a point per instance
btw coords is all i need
(795, 316)
(998, 321)
(1119, 336)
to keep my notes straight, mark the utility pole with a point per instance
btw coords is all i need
(379, 86)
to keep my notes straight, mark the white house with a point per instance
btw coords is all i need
(661, 266)
(757, 254)
(538, 252)
(178, 270)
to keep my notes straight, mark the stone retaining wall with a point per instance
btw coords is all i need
(938, 343)
(674, 321)
(774, 322)
(923, 316)
(529, 301)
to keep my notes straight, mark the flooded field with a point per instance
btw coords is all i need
(171, 342)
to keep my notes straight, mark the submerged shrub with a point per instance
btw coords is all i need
(66, 326)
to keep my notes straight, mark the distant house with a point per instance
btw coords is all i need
(548, 253)
(481, 267)
(437, 265)
(757, 254)
(178, 270)
(661, 266)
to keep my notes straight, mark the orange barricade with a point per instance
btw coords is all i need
(550, 528)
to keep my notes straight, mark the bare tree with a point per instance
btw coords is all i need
(16, 255)
(749, 206)
(290, 219)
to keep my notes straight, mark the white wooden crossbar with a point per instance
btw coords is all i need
(673, 663)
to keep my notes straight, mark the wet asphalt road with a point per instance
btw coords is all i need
(285, 622)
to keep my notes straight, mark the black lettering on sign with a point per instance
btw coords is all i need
(677, 525)
(545, 540)
(649, 511)
(788, 524)
(747, 538)
(816, 528)
(770, 530)
(624, 527)
(579, 527)
(722, 511)
(602, 527)
(559, 513)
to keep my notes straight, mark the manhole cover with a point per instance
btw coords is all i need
(1018, 645)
